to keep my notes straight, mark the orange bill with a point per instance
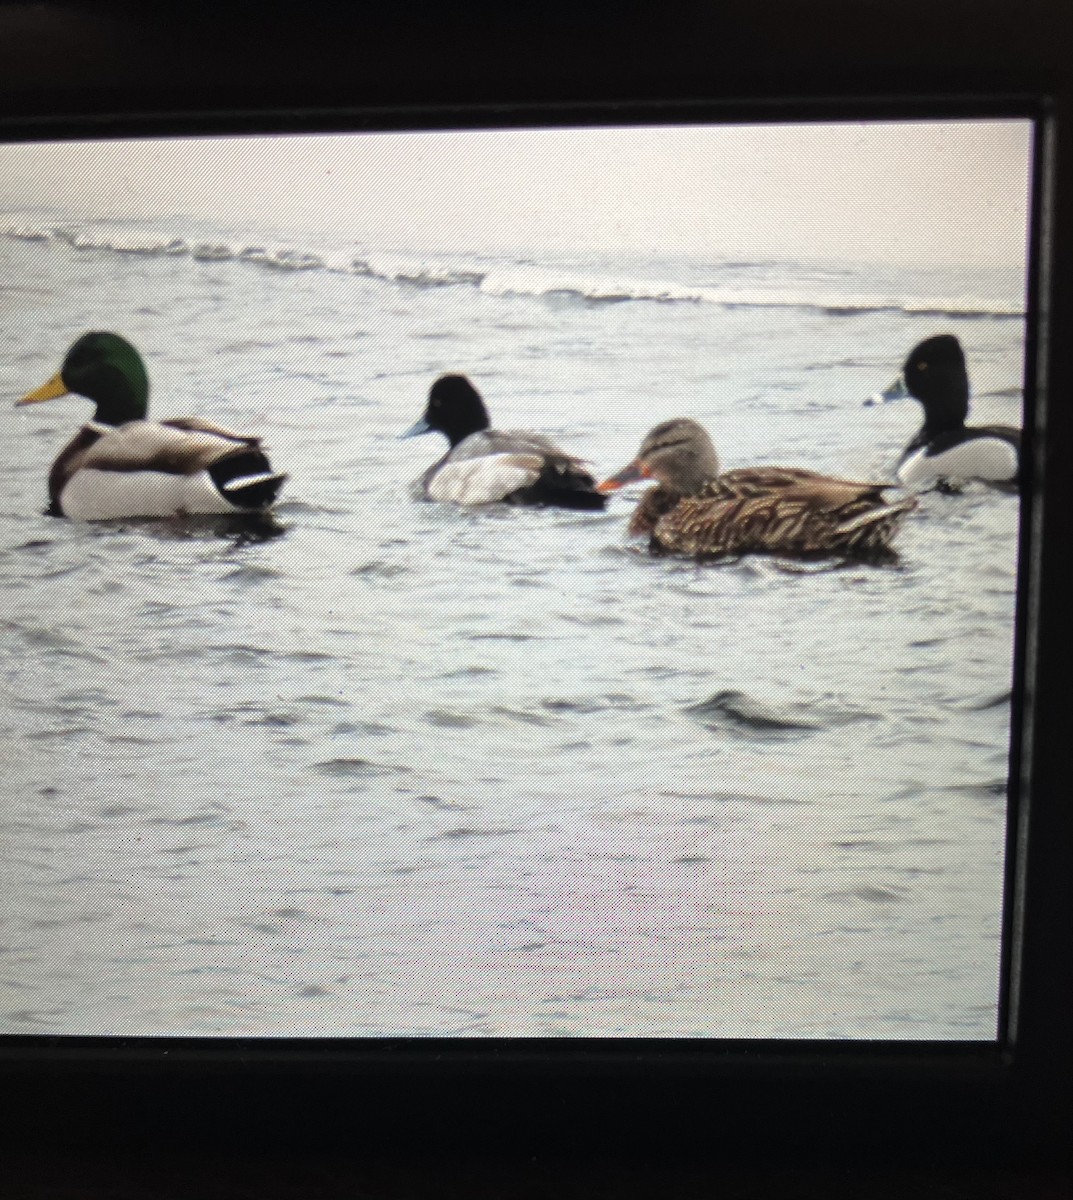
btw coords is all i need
(634, 473)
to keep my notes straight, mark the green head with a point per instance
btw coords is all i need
(106, 369)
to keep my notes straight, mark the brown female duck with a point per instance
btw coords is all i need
(694, 510)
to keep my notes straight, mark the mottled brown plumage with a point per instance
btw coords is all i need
(696, 511)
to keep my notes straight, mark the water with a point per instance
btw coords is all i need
(406, 769)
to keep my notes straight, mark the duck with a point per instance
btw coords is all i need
(946, 451)
(121, 464)
(486, 466)
(697, 511)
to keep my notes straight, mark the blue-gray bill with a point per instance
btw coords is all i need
(418, 427)
(895, 391)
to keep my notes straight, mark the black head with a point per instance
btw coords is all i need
(454, 408)
(935, 374)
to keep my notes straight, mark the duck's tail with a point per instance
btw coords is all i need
(563, 484)
(246, 479)
(873, 532)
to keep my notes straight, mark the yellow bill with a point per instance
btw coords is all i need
(47, 391)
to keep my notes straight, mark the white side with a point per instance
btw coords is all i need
(991, 459)
(484, 480)
(94, 495)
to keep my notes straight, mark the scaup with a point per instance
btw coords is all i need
(946, 449)
(485, 465)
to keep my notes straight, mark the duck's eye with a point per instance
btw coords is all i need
(922, 366)
(435, 403)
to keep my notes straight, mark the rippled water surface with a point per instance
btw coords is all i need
(408, 769)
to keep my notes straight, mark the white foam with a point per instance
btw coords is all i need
(212, 252)
(423, 272)
(517, 279)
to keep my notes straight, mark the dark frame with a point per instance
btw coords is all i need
(85, 69)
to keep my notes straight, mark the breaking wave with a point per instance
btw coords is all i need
(506, 279)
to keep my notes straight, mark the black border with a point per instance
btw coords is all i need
(82, 69)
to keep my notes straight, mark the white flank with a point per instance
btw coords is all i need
(95, 495)
(484, 480)
(988, 458)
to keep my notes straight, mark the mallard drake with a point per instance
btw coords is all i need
(122, 465)
(696, 511)
(946, 449)
(485, 465)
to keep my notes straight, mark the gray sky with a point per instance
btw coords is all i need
(941, 191)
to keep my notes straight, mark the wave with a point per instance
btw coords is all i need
(507, 279)
(757, 717)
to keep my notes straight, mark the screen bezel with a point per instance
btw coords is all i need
(959, 1099)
